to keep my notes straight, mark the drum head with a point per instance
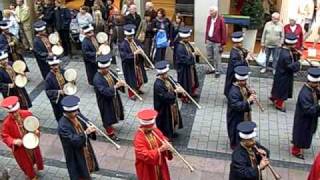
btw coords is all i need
(102, 37)
(31, 123)
(70, 75)
(54, 38)
(30, 141)
(57, 50)
(104, 49)
(70, 89)
(21, 80)
(19, 66)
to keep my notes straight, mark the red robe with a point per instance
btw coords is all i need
(298, 32)
(10, 132)
(315, 170)
(150, 163)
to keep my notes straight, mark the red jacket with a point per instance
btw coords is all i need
(10, 132)
(315, 170)
(219, 34)
(298, 32)
(149, 160)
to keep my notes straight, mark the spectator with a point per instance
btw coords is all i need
(84, 19)
(125, 7)
(150, 10)
(48, 15)
(9, 15)
(23, 14)
(89, 3)
(296, 29)
(145, 33)
(176, 25)
(271, 40)
(99, 4)
(215, 39)
(98, 21)
(133, 17)
(161, 24)
(110, 8)
(12, 6)
(38, 8)
(62, 20)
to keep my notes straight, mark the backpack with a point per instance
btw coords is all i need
(161, 39)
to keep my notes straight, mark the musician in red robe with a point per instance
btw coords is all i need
(29, 160)
(315, 170)
(151, 154)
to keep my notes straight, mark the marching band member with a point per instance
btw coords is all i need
(54, 86)
(249, 158)
(151, 155)
(74, 135)
(315, 169)
(41, 47)
(186, 60)
(108, 98)
(132, 62)
(306, 114)
(29, 160)
(7, 85)
(90, 48)
(165, 101)
(288, 64)
(239, 103)
(238, 57)
(10, 44)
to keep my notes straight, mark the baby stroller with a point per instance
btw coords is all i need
(74, 30)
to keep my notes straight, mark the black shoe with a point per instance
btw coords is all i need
(114, 137)
(133, 98)
(210, 72)
(281, 109)
(299, 156)
(217, 75)
(140, 92)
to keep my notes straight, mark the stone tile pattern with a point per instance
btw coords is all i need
(209, 131)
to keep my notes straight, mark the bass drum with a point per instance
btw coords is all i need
(30, 141)
(20, 80)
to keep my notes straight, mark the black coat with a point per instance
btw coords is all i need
(163, 99)
(108, 100)
(241, 168)
(48, 15)
(237, 58)
(237, 107)
(287, 65)
(73, 144)
(305, 117)
(89, 56)
(41, 53)
(52, 87)
(130, 19)
(62, 19)
(5, 80)
(186, 68)
(128, 64)
(163, 24)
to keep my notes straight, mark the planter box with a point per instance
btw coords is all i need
(235, 19)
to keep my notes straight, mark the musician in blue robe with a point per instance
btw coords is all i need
(132, 61)
(75, 137)
(186, 64)
(165, 101)
(249, 158)
(7, 85)
(54, 83)
(240, 99)
(106, 88)
(306, 114)
(41, 47)
(238, 57)
(287, 65)
(90, 51)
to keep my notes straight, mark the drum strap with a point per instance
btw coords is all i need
(115, 100)
(94, 42)
(60, 79)
(45, 41)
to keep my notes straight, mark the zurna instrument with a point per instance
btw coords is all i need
(143, 54)
(20, 79)
(70, 87)
(31, 139)
(198, 51)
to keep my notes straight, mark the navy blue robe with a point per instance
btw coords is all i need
(41, 53)
(305, 117)
(238, 108)
(5, 80)
(241, 167)
(108, 99)
(89, 56)
(52, 87)
(186, 67)
(164, 100)
(237, 58)
(4, 45)
(128, 64)
(287, 65)
(73, 144)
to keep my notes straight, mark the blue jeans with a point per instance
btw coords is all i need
(275, 56)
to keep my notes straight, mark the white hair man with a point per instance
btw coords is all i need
(133, 17)
(150, 9)
(215, 38)
(272, 39)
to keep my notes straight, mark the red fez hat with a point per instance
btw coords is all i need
(147, 116)
(11, 103)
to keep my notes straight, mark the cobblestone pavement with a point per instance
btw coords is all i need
(203, 140)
